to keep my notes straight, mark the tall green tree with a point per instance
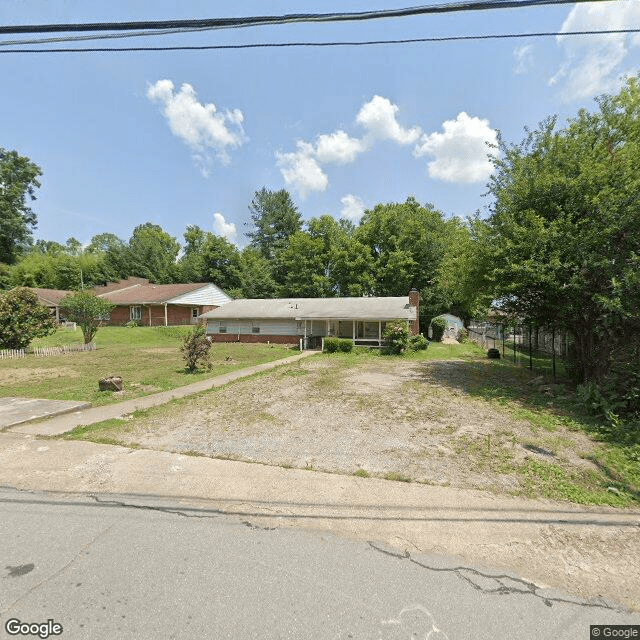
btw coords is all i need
(275, 218)
(18, 184)
(564, 233)
(256, 275)
(407, 244)
(152, 253)
(222, 264)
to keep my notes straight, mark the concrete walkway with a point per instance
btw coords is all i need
(63, 423)
(15, 411)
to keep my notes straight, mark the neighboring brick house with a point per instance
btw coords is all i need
(151, 304)
(308, 320)
(51, 298)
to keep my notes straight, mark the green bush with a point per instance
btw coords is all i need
(195, 349)
(463, 335)
(418, 343)
(335, 345)
(438, 327)
(396, 335)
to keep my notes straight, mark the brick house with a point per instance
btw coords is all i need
(50, 298)
(307, 320)
(151, 304)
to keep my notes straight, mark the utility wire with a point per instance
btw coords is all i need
(267, 45)
(284, 19)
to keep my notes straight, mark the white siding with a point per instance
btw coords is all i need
(267, 327)
(208, 295)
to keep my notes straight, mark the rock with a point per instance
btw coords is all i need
(613, 490)
(111, 383)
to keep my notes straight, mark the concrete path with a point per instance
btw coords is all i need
(63, 423)
(15, 411)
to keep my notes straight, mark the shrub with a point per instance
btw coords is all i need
(23, 318)
(396, 335)
(418, 343)
(195, 349)
(131, 324)
(463, 335)
(335, 345)
(438, 327)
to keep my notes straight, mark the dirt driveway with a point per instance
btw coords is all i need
(404, 420)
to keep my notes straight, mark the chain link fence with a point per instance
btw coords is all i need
(540, 349)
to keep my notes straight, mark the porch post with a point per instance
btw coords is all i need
(149, 315)
(327, 327)
(165, 314)
(379, 333)
(354, 331)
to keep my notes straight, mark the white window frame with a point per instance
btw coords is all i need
(195, 312)
(135, 312)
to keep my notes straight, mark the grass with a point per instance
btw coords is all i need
(147, 358)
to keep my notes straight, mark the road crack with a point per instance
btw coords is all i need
(477, 579)
(213, 513)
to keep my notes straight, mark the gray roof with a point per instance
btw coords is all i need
(316, 309)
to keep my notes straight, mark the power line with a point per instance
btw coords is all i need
(148, 25)
(267, 45)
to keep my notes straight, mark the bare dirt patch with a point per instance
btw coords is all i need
(17, 376)
(411, 419)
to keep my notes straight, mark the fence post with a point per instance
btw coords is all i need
(553, 351)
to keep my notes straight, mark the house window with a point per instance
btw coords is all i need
(255, 329)
(194, 312)
(135, 313)
(222, 330)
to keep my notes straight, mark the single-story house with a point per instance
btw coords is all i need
(306, 321)
(51, 298)
(151, 304)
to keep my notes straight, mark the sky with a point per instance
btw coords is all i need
(187, 138)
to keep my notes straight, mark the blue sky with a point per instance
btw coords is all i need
(180, 138)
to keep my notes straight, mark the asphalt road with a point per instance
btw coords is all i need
(105, 566)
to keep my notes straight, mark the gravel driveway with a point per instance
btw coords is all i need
(413, 420)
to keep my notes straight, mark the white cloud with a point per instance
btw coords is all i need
(524, 58)
(301, 171)
(378, 117)
(223, 228)
(460, 151)
(352, 207)
(338, 148)
(594, 64)
(200, 126)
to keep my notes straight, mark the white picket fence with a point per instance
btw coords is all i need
(58, 351)
(8, 354)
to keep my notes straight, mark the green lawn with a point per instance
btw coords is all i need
(147, 358)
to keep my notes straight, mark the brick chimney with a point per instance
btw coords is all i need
(414, 301)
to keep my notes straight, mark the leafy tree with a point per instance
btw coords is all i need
(301, 269)
(255, 275)
(407, 244)
(23, 318)
(191, 262)
(462, 274)
(564, 233)
(152, 254)
(87, 310)
(18, 182)
(221, 263)
(276, 218)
